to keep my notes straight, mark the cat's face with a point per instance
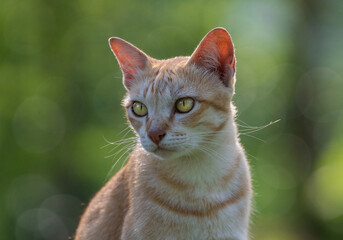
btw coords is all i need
(177, 106)
(176, 109)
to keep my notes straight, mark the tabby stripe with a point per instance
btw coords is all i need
(222, 125)
(135, 123)
(145, 92)
(152, 86)
(163, 89)
(172, 182)
(215, 105)
(213, 127)
(208, 211)
(227, 178)
(195, 117)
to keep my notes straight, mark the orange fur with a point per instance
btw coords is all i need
(195, 182)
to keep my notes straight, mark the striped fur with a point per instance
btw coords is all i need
(195, 184)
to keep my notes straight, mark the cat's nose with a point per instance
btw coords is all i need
(156, 135)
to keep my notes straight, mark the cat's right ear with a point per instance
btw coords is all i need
(216, 54)
(131, 59)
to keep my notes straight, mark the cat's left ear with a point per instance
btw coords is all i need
(216, 54)
(131, 59)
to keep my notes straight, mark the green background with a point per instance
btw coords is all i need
(60, 93)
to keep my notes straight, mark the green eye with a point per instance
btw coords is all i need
(184, 105)
(139, 109)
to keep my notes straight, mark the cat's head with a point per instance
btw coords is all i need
(178, 105)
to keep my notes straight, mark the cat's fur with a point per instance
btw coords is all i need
(195, 184)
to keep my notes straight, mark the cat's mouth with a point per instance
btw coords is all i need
(164, 153)
(163, 149)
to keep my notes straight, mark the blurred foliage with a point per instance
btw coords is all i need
(60, 93)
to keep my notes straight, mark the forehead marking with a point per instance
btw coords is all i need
(215, 104)
(145, 91)
(160, 82)
(152, 86)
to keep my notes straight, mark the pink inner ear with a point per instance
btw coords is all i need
(130, 66)
(216, 54)
(131, 59)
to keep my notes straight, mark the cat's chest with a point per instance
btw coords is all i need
(157, 222)
(191, 214)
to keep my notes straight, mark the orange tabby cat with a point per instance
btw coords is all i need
(188, 177)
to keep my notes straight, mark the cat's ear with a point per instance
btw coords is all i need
(216, 53)
(131, 59)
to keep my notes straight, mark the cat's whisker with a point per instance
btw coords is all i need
(129, 146)
(238, 120)
(256, 127)
(210, 142)
(123, 144)
(120, 141)
(108, 142)
(244, 128)
(210, 151)
(115, 142)
(124, 162)
(127, 151)
(243, 134)
(125, 129)
(211, 154)
(124, 147)
(203, 138)
(220, 156)
(251, 156)
(247, 131)
(114, 165)
(118, 144)
(124, 140)
(129, 129)
(207, 138)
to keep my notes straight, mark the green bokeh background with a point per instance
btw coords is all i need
(60, 93)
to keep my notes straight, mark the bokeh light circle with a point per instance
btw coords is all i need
(27, 192)
(38, 125)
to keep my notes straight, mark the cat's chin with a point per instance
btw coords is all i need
(165, 154)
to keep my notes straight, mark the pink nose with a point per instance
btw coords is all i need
(156, 135)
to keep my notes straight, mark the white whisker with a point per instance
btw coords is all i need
(123, 143)
(253, 137)
(120, 150)
(128, 129)
(119, 141)
(247, 127)
(113, 166)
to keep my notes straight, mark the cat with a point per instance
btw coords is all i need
(188, 176)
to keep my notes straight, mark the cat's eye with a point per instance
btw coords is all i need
(139, 109)
(184, 105)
